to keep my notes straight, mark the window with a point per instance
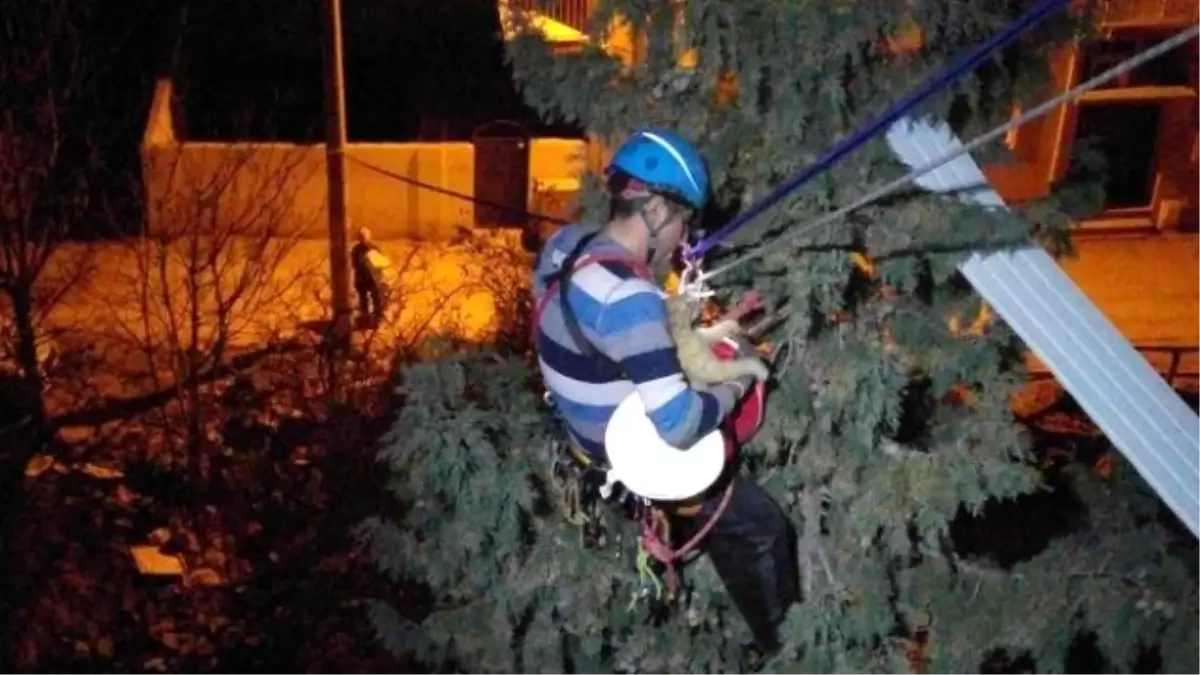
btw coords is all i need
(1144, 124)
(573, 13)
(1126, 135)
(1171, 69)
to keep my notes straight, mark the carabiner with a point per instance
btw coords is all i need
(691, 279)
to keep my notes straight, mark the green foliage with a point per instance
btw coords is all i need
(885, 425)
(515, 590)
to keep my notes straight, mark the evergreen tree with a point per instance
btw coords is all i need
(889, 415)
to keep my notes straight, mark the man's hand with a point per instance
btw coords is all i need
(750, 302)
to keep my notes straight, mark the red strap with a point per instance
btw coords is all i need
(639, 268)
(662, 552)
(657, 548)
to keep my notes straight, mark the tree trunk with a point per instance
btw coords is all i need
(34, 402)
(22, 435)
(19, 441)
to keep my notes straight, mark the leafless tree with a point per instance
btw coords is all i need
(503, 274)
(49, 58)
(220, 267)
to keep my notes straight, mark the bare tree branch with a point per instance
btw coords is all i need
(213, 270)
(50, 57)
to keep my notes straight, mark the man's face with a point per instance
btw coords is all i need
(672, 222)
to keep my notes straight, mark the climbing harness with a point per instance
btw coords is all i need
(656, 536)
(581, 480)
(650, 587)
(933, 85)
(582, 509)
(915, 174)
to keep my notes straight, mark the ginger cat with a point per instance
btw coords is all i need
(694, 344)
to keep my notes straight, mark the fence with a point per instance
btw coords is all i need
(173, 169)
(1177, 364)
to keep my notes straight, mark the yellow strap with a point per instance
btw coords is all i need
(582, 457)
(573, 502)
(647, 580)
(686, 509)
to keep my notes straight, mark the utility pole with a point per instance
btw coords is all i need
(335, 162)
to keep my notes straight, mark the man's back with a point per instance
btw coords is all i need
(623, 318)
(363, 273)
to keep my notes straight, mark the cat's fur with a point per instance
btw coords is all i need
(694, 346)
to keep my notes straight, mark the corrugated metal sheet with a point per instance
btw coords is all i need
(1115, 385)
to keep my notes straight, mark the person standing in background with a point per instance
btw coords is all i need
(365, 259)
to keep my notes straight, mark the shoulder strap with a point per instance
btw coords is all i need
(561, 279)
(569, 317)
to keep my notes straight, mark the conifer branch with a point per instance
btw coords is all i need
(812, 551)
(958, 564)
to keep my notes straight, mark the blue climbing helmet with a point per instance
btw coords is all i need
(666, 163)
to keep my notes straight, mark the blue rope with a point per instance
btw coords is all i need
(931, 86)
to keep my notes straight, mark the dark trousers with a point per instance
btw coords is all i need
(753, 548)
(370, 300)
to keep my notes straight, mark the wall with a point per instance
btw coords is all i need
(283, 186)
(394, 209)
(555, 159)
(217, 187)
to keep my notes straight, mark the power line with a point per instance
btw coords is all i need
(457, 195)
(928, 88)
(1067, 96)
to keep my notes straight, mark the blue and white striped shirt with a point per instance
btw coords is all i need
(625, 318)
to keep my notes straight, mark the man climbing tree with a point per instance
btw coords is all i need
(599, 283)
(888, 430)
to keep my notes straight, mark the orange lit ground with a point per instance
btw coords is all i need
(1146, 285)
(444, 287)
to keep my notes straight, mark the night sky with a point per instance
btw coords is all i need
(414, 70)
